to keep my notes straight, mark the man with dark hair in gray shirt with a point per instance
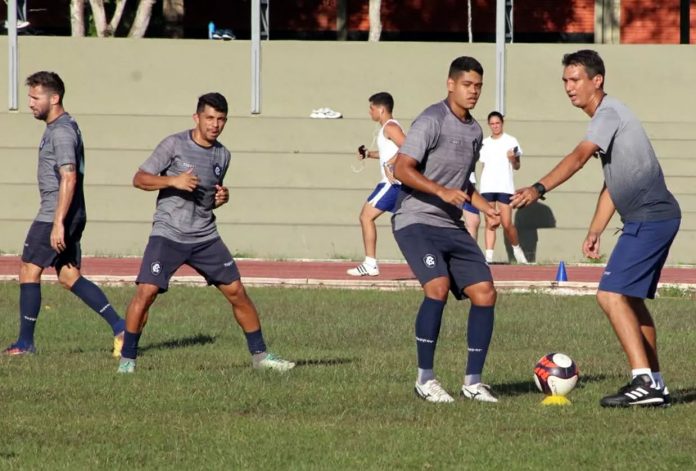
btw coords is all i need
(434, 165)
(54, 237)
(634, 186)
(188, 169)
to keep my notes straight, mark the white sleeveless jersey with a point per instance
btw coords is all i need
(387, 149)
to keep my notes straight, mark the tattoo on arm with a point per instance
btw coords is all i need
(69, 168)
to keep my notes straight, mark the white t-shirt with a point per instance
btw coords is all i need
(386, 148)
(496, 176)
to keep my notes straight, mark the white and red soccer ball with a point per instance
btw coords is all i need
(555, 374)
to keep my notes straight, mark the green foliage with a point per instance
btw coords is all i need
(195, 403)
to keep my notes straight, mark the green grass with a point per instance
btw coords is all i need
(195, 403)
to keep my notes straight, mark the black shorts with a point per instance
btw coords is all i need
(432, 252)
(211, 259)
(38, 250)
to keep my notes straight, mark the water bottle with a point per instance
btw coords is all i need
(211, 30)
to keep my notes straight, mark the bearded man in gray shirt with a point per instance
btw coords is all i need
(634, 186)
(188, 169)
(54, 237)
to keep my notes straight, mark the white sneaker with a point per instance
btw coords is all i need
(363, 270)
(489, 256)
(478, 392)
(273, 362)
(126, 366)
(431, 391)
(519, 256)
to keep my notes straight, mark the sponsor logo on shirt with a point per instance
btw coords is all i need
(429, 260)
(217, 169)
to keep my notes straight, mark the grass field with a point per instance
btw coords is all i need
(195, 403)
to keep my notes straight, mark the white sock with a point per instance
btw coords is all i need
(472, 379)
(489, 254)
(643, 371)
(425, 375)
(370, 261)
(516, 248)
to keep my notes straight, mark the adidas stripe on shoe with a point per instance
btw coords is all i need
(638, 392)
(363, 270)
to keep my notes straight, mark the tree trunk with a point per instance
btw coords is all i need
(77, 18)
(375, 13)
(99, 16)
(116, 19)
(173, 12)
(142, 19)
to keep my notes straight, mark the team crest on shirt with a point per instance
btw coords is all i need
(217, 169)
(429, 260)
(156, 268)
(41, 144)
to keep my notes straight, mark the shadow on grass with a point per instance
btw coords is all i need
(528, 387)
(199, 339)
(325, 362)
(683, 396)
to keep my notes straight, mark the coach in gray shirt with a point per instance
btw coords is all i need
(634, 186)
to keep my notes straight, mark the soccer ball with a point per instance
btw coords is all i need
(555, 374)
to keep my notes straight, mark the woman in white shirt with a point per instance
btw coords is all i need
(500, 156)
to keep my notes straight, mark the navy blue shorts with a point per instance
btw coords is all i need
(38, 250)
(211, 259)
(637, 259)
(468, 207)
(501, 197)
(432, 252)
(384, 196)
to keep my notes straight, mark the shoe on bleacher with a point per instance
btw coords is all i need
(217, 34)
(432, 391)
(17, 349)
(227, 35)
(273, 362)
(363, 270)
(639, 392)
(478, 392)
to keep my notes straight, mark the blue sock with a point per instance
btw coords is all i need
(130, 345)
(29, 307)
(95, 298)
(428, 323)
(478, 337)
(255, 342)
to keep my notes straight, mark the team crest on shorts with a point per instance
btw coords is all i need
(429, 260)
(156, 268)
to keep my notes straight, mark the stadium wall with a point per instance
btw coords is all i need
(293, 193)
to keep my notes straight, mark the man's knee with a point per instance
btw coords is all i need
(437, 289)
(482, 294)
(145, 295)
(235, 292)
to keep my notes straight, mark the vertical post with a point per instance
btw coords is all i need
(341, 20)
(500, 56)
(684, 22)
(12, 56)
(255, 56)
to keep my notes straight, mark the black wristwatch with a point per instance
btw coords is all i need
(541, 189)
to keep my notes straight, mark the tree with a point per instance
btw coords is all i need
(107, 28)
(375, 15)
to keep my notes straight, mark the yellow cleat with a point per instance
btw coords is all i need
(118, 345)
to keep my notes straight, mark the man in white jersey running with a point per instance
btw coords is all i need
(188, 169)
(383, 198)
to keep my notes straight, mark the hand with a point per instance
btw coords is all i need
(511, 155)
(524, 197)
(492, 217)
(186, 181)
(222, 195)
(455, 197)
(590, 246)
(58, 237)
(363, 152)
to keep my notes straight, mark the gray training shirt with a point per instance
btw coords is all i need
(182, 216)
(631, 170)
(61, 144)
(446, 149)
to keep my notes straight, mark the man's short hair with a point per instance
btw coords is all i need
(464, 64)
(496, 114)
(215, 100)
(49, 81)
(383, 99)
(588, 58)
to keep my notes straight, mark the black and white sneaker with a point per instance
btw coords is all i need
(638, 392)
(666, 397)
